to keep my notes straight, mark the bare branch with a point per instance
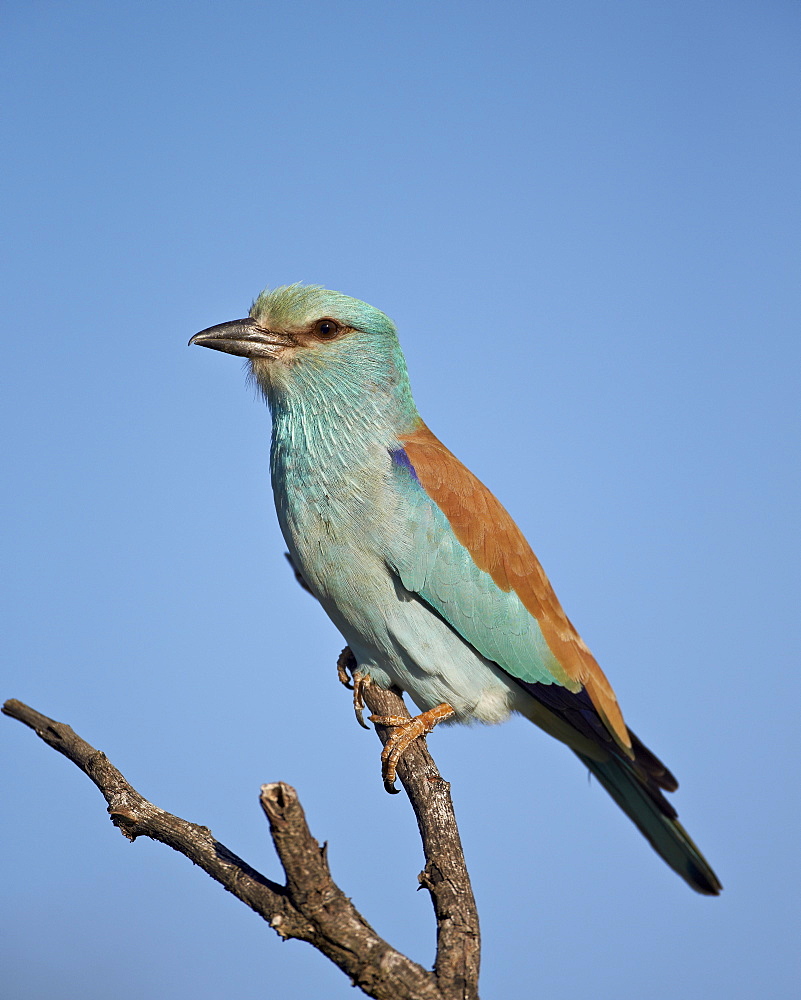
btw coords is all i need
(445, 874)
(310, 907)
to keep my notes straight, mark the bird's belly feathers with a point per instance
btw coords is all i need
(395, 637)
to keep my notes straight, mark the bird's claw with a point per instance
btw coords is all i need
(347, 668)
(360, 682)
(406, 732)
(346, 665)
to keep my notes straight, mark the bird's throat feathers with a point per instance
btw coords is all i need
(337, 406)
(325, 424)
(334, 428)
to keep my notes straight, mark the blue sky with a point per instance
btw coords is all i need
(584, 219)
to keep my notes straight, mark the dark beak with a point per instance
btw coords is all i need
(243, 337)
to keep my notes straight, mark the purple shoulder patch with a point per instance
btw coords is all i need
(399, 457)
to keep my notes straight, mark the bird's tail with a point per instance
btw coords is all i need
(656, 819)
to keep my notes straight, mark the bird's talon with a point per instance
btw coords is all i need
(389, 786)
(345, 664)
(360, 682)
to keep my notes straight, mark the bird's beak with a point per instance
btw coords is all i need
(243, 337)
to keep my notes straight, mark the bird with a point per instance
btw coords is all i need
(417, 564)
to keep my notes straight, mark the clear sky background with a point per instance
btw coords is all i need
(585, 219)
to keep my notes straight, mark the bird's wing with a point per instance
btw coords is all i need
(465, 556)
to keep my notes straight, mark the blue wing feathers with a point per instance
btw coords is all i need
(431, 562)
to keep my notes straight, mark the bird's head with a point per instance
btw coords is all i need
(306, 342)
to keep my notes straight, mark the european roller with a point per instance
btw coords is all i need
(426, 575)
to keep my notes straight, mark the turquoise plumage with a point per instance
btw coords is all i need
(417, 564)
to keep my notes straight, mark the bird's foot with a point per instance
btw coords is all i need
(406, 732)
(347, 668)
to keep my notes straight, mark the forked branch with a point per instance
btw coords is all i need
(310, 906)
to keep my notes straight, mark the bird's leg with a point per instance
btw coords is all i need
(406, 732)
(346, 664)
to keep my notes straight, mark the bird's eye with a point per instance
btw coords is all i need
(326, 329)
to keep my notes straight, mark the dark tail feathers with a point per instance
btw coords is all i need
(656, 818)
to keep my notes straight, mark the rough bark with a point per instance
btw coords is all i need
(310, 906)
